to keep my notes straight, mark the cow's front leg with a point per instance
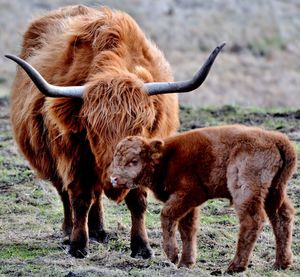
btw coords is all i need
(96, 220)
(136, 201)
(81, 202)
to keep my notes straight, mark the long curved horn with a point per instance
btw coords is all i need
(151, 88)
(43, 85)
(184, 86)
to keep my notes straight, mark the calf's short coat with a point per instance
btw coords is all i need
(247, 165)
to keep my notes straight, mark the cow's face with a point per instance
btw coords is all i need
(133, 158)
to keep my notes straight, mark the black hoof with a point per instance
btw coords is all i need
(66, 240)
(77, 252)
(102, 236)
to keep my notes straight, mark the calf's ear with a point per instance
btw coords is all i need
(156, 148)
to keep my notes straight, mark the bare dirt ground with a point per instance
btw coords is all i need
(259, 67)
(31, 214)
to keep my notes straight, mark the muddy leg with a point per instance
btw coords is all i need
(96, 220)
(282, 223)
(188, 232)
(251, 215)
(81, 203)
(136, 201)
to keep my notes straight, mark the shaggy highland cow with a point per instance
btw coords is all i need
(247, 165)
(102, 71)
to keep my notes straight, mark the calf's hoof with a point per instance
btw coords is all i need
(282, 265)
(172, 253)
(144, 252)
(78, 252)
(173, 256)
(187, 264)
(174, 259)
(140, 248)
(234, 268)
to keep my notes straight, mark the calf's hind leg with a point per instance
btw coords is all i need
(251, 216)
(248, 196)
(282, 223)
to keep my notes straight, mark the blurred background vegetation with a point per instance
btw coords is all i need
(259, 67)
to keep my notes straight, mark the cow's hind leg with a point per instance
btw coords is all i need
(68, 222)
(96, 220)
(136, 201)
(81, 202)
(282, 222)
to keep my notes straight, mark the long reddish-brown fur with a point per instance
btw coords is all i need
(247, 165)
(71, 141)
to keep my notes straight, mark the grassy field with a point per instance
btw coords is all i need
(31, 216)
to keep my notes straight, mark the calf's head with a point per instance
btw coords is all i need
(133, 161)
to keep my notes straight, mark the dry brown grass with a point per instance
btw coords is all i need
(31, 216)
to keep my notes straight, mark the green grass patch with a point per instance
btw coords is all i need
(25, 251)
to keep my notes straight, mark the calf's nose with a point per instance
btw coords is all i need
(114, 180)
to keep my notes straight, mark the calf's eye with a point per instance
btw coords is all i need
(134, 162)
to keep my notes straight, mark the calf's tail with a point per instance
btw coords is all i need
(277, 190)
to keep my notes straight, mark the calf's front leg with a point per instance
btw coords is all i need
(175, 209)
(188, 232)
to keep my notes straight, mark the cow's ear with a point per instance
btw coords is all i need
(65, 113)
(156, 147)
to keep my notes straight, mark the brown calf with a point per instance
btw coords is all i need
(247, 165)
